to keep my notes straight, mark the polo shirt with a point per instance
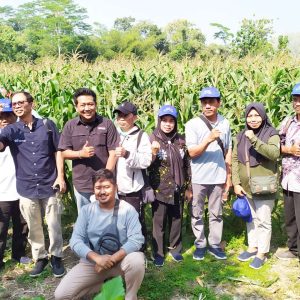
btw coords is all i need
(209, 167)
(33, 152)
(101, 134)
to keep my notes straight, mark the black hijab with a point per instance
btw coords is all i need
(264, 132)
(170, 142)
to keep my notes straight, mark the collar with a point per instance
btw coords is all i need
(97, 120)
(34, 122)
(133, 130)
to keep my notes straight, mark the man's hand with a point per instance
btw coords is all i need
(60, 182)
(87, 151)
(120, 151)
(239, 191)
(214, 134)
(249, 134)
(155, 146)
(103, 262)
(188, 195)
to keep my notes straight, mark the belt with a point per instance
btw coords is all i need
(133, 194)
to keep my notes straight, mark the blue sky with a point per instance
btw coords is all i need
(285, 13)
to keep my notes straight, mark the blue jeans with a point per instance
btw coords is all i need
(82, 199)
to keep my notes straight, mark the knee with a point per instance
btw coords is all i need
(136, 263)
(61, 293)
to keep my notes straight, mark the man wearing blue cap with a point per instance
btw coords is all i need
(208, 139)
(290, 148)
(9, 197)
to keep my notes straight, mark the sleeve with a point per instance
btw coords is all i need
(229, 139)
(79, 235)
(113, 137)
(235, 165)
(270, 150)
(5, 137)
(142, 157)
(191, 138)
(65, 142)
(135, 239)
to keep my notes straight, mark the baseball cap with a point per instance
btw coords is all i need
(126, 108)
(209, 92)
(296, 89)
(167, 110)
(241, 208)
(6, 105)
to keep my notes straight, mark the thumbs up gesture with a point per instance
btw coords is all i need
(87, 151)
(120, 151)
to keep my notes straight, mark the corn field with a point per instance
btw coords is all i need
(150, 84)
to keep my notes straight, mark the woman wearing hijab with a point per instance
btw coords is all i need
(260, 141)
(169, 178)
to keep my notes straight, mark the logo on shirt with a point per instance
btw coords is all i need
(19, 141)
(102, 128)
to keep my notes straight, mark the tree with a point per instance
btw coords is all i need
(223, 34)
(283, 43)
(253, 37)
(124, 24)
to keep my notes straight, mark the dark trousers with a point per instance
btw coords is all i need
(161, 214)
(292, 220)
(136, 200)
(10, 209)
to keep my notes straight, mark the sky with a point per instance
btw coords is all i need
(230, 13)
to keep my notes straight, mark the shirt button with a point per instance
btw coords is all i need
(34, 164)
(32, 143)
(37, 184)
(33, 153)
(35, 174)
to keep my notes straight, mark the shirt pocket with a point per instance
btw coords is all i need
(98, 138)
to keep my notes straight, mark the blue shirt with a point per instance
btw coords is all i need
(33, 152)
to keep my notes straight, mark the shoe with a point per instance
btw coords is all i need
(58, 269)
(176, 256)
(159, 261)
(39, 267)
(25, 260)
(218, 253)
(245, 256)
(257, 263)
(286, 255)
(199, 253)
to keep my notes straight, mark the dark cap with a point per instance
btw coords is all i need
(126, 108)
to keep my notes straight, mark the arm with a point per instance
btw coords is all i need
(291, 150)
(60, 180)
(111, 161)
(236, 181)
(1, 146)
(85, 152)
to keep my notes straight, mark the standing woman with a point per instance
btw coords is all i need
(258, 143)
(169, 177)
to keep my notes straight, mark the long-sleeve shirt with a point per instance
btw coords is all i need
(92, 220)
(270, 150)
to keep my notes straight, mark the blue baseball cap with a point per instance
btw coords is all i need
(241, 208)
(6, 105)
(296, 89)
(209, 92)
(167, 110)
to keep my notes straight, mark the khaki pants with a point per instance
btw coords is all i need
(83, 280)
(33, 211)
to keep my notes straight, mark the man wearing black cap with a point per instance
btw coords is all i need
(134, 154)
(89, 140)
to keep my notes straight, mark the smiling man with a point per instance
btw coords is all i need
(97, 225)
(89, 140)
(39, 168)
(208, 139)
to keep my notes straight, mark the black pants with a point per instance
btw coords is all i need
(161, 214)
(292, 220)
(136, 200)
(10, 209)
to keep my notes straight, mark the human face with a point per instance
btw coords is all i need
(86, 108)
(254, 120)
(167, 123)
(210, 108)
(296, 104)
(7, 118)
(105, 192)
(21, 107)
(126, 122)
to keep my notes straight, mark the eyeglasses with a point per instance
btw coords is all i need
(20, 103)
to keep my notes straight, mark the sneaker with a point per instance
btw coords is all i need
(39, 267)
(218, 253)
(159, 261)
(57, 266)
(176, 256)
(199, 253)
(25, 260)
(286, 255)
(257, 263)
(245, 256)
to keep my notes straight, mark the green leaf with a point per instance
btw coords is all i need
(112, 290)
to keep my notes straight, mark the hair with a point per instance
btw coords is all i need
(104, 174)
(84, 92)
(28, 96)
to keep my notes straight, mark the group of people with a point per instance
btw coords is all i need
(116, 168)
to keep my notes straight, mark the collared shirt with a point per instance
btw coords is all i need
(101, 134)
(209, 167)
(290, 163)
(33, 152)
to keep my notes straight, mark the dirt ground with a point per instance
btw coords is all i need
(286, 287)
